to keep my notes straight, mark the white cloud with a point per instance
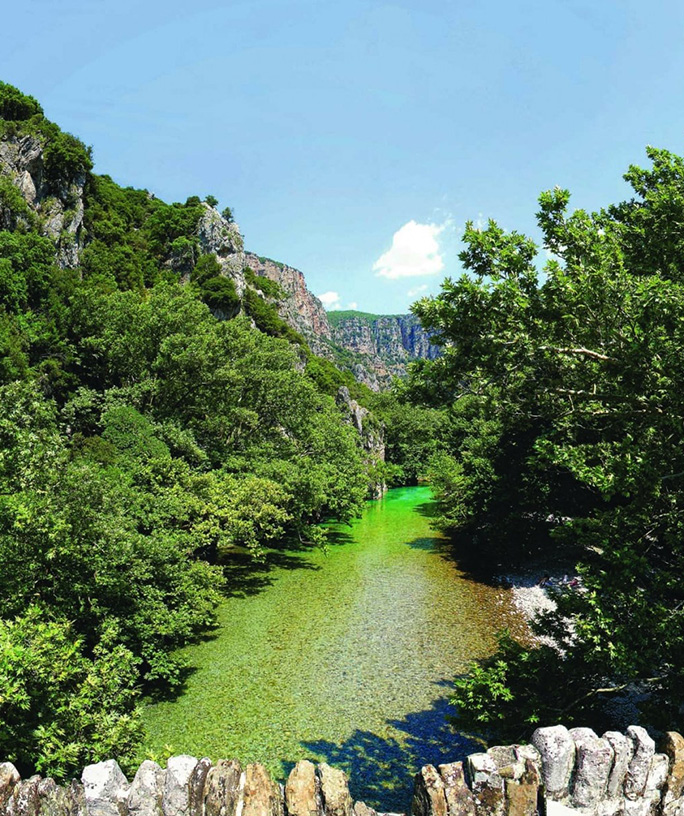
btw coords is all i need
(353, 305)
(417, 290)
(331, 300)
(414, 252)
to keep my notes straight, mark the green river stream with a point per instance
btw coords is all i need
(343, 655)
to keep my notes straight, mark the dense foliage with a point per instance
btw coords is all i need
(142, 439)
(568, 386)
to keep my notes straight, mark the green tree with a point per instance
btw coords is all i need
(569, 387)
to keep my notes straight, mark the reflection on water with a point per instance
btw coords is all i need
(343, 655)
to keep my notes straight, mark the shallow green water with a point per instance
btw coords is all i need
(342, 655)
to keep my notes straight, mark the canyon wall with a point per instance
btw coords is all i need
(374, 348)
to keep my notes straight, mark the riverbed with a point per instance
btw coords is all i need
(343, 654)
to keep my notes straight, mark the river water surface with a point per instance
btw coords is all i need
(343, 655)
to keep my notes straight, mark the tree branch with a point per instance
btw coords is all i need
(581, 350)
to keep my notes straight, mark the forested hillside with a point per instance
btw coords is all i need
(143, 435)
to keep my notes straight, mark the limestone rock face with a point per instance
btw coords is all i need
(56, 207)
(302, 310)
(459, 797)
(640, 765)
(177, 785)
(385, 343)
(222, 788)
(301, 791)
(335, 794)
(223, 239)
(262, 796)
(557, 749)
(147, 788)
(381, 345)
(371, 432)
(105, 789)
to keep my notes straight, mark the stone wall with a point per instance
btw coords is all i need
(560, 773)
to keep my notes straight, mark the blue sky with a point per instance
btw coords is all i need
(354, 139)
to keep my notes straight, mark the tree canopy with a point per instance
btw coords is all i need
(566, 382)
(142, 440)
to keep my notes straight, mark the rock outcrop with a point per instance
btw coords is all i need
(56, 207)
(301, 309)
(386, 344)
(370, 431)
(374, 348)
(221, 237)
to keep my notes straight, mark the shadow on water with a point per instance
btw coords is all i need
(381, 769)
(428, 509)
(246, 576)
(337, 538)
(466, 558)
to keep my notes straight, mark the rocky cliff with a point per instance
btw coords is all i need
(300, 308)
(52, 205)
(52, 196)
(374, 348)
(386, 343)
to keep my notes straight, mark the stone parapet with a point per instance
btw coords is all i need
(561, 772)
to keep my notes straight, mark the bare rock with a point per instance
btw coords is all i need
(301, 790)
(77, 802)
(105, 789)
(176, 793)
(146, 791)
(262, 796)
(222, 788)
(429, 798)
(53, 800)
(459, 797)
(529, 752)
(673, 790)
(593, 764)
(9, 779)
(655, 782)
(557, 749)
(362, 809)
(623, 751)
(486, 784)
(507, 762)
(335, 794)
(24, 800)
(640, 765)
(27, 187)
(222, 238)
(522, 796)
(196, 786)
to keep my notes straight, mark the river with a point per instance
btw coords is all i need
(343, 655)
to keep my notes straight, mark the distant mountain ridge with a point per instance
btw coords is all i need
(375, 348)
